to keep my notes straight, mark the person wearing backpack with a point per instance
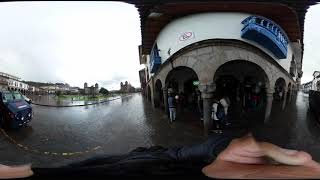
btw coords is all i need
(220, 112)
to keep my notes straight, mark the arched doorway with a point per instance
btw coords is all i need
(289, 92)
(159, 94)
(279, 89)
(149, 93)
(245, 84)
(183, 81)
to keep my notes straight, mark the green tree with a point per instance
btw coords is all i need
(104, 91)
(58, 93)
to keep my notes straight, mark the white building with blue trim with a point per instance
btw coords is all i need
(222, 48)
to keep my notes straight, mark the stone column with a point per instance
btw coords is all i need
(285, 93)
(165, 99)
(269, 105)
(291, 94)
(152, 87)
(207, 95)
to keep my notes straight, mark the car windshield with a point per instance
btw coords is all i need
(7, 97)
(18, 96)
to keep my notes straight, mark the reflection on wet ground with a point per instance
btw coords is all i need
(115, 127)
(295, 127)
(124, 124)
(51, 100)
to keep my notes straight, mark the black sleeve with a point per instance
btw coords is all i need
(205, 152)
(186, 161)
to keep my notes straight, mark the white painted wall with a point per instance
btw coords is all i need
(207, 26)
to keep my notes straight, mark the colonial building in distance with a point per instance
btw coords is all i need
(126, 87)
(93, 90)
(222, 47)
(13, 83)
(143, 81)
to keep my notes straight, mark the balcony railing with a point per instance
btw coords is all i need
(155, 59)
(266, 33)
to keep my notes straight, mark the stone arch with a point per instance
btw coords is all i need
(280, 87)
(289, 91)
(182, 73)
(149, 93)
(207, 56)
(179, 63)
(158, 94)
(230, 54)
(183, 81)
(233, 77)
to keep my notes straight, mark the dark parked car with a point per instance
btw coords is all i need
(314, 103)
(15, 112)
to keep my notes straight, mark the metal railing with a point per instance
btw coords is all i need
(268, 28)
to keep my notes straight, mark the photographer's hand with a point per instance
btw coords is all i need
(247, 158)
(9, 172)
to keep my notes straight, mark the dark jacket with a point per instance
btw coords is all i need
(155, 162)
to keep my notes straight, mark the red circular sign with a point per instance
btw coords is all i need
(185, 36)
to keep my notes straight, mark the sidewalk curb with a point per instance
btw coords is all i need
(47, 105)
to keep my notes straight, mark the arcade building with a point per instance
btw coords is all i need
(239, 49)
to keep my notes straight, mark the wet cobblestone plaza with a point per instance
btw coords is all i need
(58, 136)
(108, 128)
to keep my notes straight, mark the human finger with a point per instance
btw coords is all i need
(9, 172)
(285, 156)
(237, 158)
(288, 151)
(228, 170)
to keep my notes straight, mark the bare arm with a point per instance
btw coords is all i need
(249, 159)
(230, 170)
(10, 172)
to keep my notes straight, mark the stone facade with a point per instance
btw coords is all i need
(126, 87)
(205, 59)
(241, 55)
(93, 90)
(10, 82)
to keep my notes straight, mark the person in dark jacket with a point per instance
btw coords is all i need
(172, 107)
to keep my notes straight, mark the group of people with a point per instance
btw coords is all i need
(178, 102)
(219, 110)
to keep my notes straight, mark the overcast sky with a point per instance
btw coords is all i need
(311, 57)
(72, 42)
(77, 42)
